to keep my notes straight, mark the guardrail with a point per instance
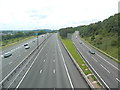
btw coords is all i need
(102, 82)
(77, 66)
(21, 63)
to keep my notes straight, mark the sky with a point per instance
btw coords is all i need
(53, 14)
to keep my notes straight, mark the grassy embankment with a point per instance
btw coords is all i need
(69, 45)
(14, 41)
(105, 44)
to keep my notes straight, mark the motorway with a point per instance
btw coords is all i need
(105, 68)
(18, 54)
(51, 68)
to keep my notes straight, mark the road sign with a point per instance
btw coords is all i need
(36, 34)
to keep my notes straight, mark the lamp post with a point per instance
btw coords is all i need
(37, 39)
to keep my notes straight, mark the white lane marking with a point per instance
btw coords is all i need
(11, 50)
(40, 71)
(10, 62)
(94, 59)
(108, 62)
(105, 68)
(54, 71)
(1, 55)
(103, 59)
(65, 65)
(43, 60)
(29, 68)
(117, 79)
(94, 69)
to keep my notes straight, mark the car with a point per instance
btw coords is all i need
(27, 47)
(34, 41)
(26, 44)
(80, 42)
(8, 54)
(91, 52)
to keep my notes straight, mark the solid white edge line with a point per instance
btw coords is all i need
(94, 70)
(117, 79)
(105, 68)
(103, 59)
(40, 71)
(28, 69)
(65, 65)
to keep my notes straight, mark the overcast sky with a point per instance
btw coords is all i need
(53, 14)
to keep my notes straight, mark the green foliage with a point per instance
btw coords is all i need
(63, 32)
(102, 34)
(114, 43)
(92, 38)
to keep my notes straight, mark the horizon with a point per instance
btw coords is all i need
(41, 14)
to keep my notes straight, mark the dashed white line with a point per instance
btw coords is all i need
(54, 71)
(94, 69)
(29, 68)
(10, 62)
(117, 79)
(40, 71)
(103, 59)
(107, 62)
(53, 60)
(105, 68)
(43, 60)
(94, 59)
(1, 55)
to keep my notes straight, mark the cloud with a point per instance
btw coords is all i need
(53, 14)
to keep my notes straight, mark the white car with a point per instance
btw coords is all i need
(7, 54)
(27, 47)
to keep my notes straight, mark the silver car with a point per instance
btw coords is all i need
(8, 54)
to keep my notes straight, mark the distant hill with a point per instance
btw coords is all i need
(46, 30)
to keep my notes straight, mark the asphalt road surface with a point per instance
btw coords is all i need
(18, 54)
(106, 68)
(52, 68)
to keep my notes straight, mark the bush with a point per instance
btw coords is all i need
(92, 38)
(114, 43)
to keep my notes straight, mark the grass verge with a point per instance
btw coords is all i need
(69, 45)
(99, 50)
(16, 41)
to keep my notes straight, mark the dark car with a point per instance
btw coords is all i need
(26, 44)
(80, 42)
(34, 41)
(91, 52)
(8, 54)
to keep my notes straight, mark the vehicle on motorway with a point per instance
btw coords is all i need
(26, 44)
(80, 42)
(27, 47)
(91, 52)
(8, 54)
(34, 41)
